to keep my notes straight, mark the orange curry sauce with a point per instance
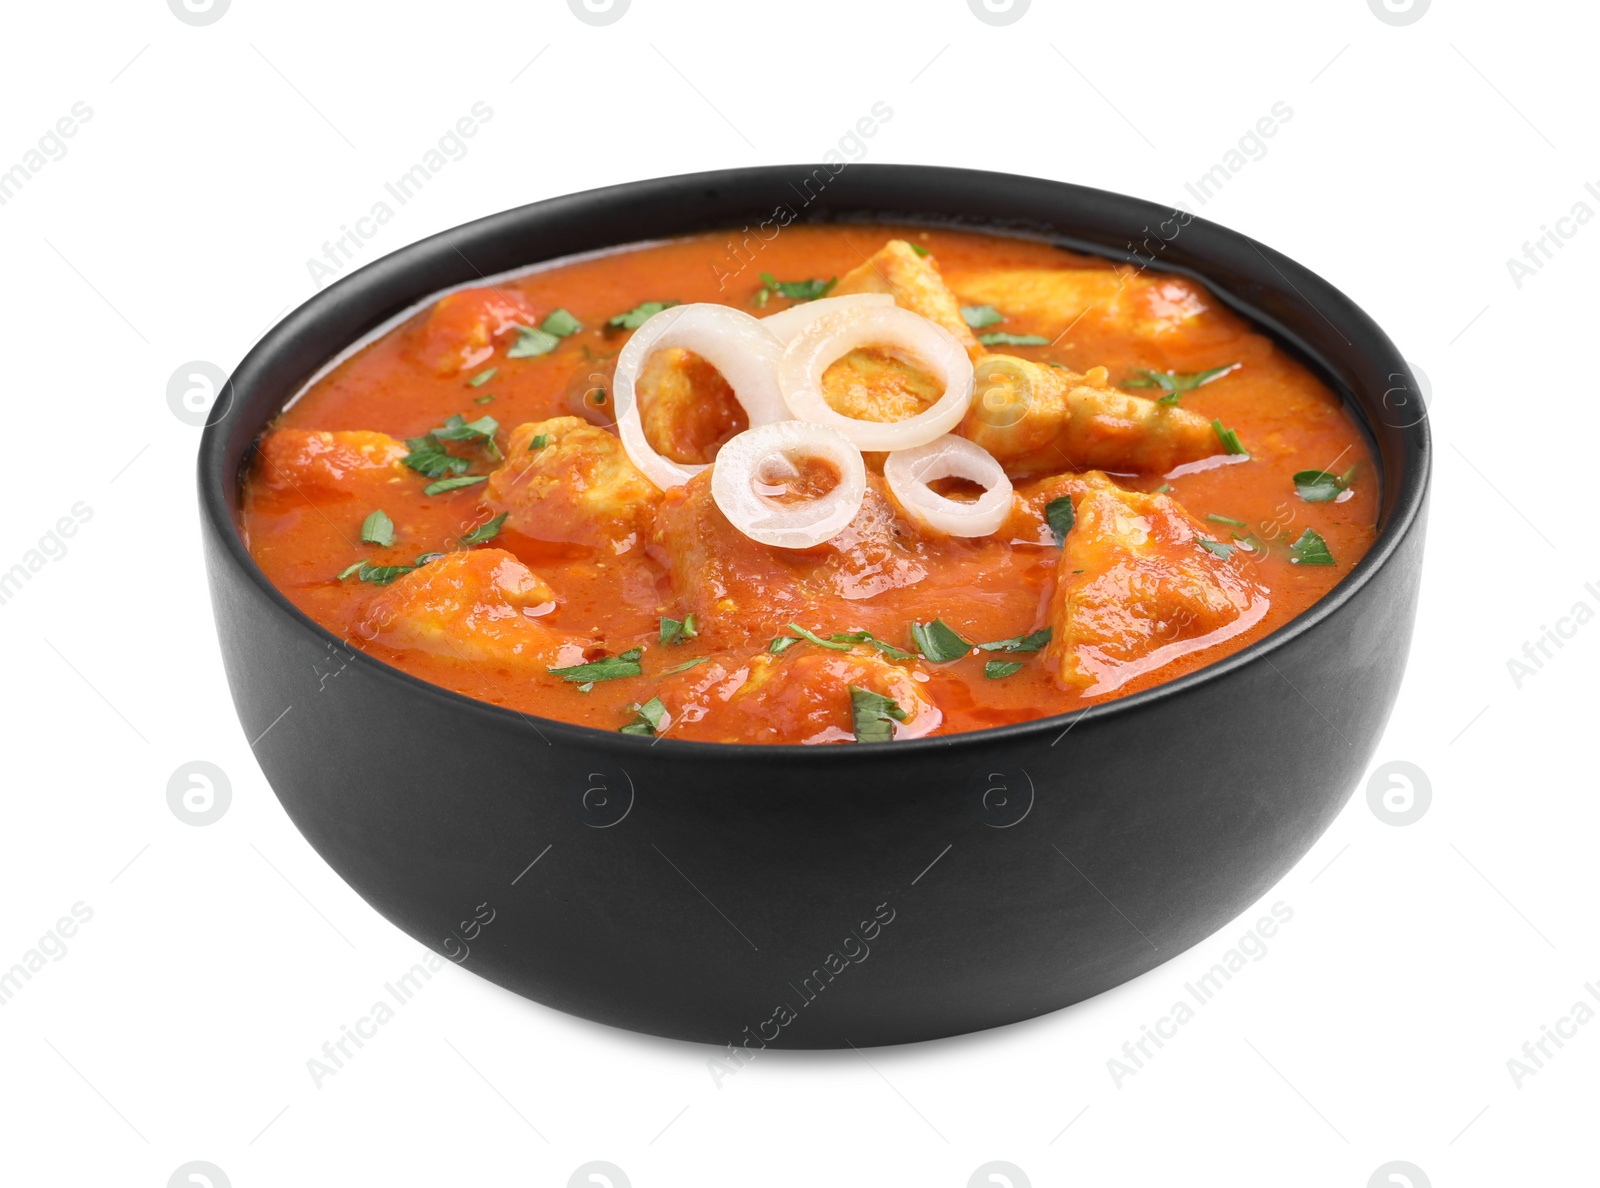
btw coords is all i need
(612, 596)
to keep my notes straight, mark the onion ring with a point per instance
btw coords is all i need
(908, 473)
(736, 344)
(739, 466)
(797, 317)
(836, 333)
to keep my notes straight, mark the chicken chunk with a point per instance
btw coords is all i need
(1036, 418)
(687, 408)
(1050, 300)
(567, 480)
(1140, 584)
(915, 283)
(801, 696)
(481, 606)
(742, 591)
(316, 462)
(873, 384)
(460, 330)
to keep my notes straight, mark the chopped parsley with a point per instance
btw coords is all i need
(805, 290)
(560, 323)
(453, 484)
(938, 642)
(485, 532)
(1216, 519)
(538, 441)
(1059, 514)
(486, 398)
(1319, 486)
(921, 251)
(995, 669)
(639, 314)
(685, 666)
(483, 377)
(1229, 438)
(378, 529)
(607, 668)
(430, 459)
(1215, 546)
(781, 644)
(1175, 383)
(979, 316)
(866, 637)
(382, 575)
(651, 717)
(873, 715)
(1310, 549)
(1001, 338)
(354, 567)
(532, 342)
(1019, 643)
(812, 637)
(677, 631)
(458, 428)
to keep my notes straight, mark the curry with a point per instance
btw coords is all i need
(872, 483)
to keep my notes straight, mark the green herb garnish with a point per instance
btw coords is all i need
(1059, 514)
(938, 642)
(1216, 519)
(995, 669)
(1019, 643)
(378, 529)
(1001, 338)
(532, 342)
(538, 441)
(813, 637)
(1175, 383)
(806, 290)
(979, 316)
(560, 323)
(454, 484)
(652, 715)
(781, 644)
(685, 666)
(921, 251)
(608, 668)
(1310, 549)
(1319, 486)
(872, 641)
(1229, 439)
(486, 398)
(458, 428)
(1162, 489)
(430, 459)
(353, 567)
(639, 314)
(873, 715)
(676, 631)
(1215, 546)
(485, 532)
(483, 377)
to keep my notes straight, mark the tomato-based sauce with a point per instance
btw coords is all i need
(580, 563)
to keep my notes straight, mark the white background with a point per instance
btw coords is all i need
(218, 960)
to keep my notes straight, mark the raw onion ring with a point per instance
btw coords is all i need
(908, 473)
(787, 526)
(837, 333)
(797, 317)
(737, 345)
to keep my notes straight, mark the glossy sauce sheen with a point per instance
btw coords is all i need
(992, 589)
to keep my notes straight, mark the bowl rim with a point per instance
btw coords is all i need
(1410, 491)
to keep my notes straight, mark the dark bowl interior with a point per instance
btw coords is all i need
(719, 893)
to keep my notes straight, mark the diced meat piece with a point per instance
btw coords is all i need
(878, 385)
(319, 463)
(801, 696)
(460, 330)
(687, 408)
(1050, 300)
(915, 283)
(567, 480)
(741, 591)
(1137, 589)
(1035, 418)
(481, 606)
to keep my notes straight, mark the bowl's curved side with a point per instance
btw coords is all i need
(795, 897)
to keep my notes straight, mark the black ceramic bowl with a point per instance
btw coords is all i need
(810, 897)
